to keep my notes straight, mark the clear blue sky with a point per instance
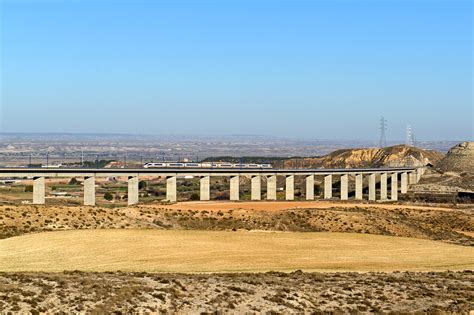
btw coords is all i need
(308, 69)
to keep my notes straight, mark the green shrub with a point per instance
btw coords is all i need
(29, 188)
(194, 196)
(108, 196)
(142, 184)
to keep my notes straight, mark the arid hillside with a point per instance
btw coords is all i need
(460, 158)
(453, 226)
(400, 155)
(269, 292)
(453, 173)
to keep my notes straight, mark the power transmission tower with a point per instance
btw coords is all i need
(383, 128)
(410, 140)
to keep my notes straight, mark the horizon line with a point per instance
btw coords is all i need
(210, 136)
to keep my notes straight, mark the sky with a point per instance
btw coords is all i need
(315, 69)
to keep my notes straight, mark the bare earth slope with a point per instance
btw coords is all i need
(400, 155)
(394, 220)
(459, 158)
(454, 173)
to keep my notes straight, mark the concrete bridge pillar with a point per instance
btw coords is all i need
(404, 183)
(358, 186)
(394, 185)
(234, 187)
(372, 188)
(290, 187)
(171, 188)
(132, 194)
(328, 187)
(419, 173)
(344, 187)
(205, 188)
(383, 186)
(256, 188)
(412, 178)
(89, 191)
(272, 187)
(310, 187)
(38, 190)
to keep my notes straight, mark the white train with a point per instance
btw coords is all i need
(203, 165)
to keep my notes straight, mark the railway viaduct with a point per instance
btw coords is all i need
(400, 178)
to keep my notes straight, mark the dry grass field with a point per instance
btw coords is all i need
(226, 251)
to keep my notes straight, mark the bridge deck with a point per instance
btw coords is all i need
(60, 172)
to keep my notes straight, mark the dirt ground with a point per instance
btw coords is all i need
(286, 205)
(297, 292)
(447, 225)
(227, 251)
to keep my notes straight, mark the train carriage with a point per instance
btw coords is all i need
(204, 165)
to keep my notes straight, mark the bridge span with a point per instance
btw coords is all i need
(400, 178)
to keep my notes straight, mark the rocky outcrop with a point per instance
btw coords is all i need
(459, 158)
(400, 155)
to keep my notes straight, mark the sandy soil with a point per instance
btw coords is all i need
(285, 205)
(336, 293)
(470, 234)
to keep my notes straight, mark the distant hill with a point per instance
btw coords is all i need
(459, 158)
(454, 173)
(399, 155)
